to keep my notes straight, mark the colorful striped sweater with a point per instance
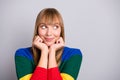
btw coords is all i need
(68, 69)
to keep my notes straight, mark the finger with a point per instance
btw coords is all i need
(58, 41)
(61, 40)
(38, 39)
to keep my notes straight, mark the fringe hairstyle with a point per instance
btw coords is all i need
(48, 15)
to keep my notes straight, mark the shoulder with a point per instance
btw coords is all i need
(72, 51)
(69, 52)
(24, 52)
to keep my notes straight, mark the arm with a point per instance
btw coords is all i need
(24, 64)
(52, 52)
(71, 65)
(53, 71)
(69, 68)
(41, 71)
(25, 67)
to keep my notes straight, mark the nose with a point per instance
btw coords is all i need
(49, 32)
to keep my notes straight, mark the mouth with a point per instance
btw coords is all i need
(49, 39)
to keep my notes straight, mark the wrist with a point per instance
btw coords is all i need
(51, 50)
(52, 53)
(44, 53)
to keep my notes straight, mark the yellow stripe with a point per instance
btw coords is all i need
(26, 77)
(66, 76)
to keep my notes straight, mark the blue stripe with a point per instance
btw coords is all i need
(25, 52)
(68, 52)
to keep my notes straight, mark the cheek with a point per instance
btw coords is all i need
(41, 32)
(57, 33)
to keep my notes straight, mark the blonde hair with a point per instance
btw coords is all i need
(48, 15)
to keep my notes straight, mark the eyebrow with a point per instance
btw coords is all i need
(50, 24)
(42, 24)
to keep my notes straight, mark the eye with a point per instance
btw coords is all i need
(55, 27)
(43, 27)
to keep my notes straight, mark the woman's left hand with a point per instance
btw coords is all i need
(59, 44)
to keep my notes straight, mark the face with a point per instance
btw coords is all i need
(49, 33)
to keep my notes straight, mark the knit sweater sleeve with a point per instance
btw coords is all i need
(70, 64)
(69, 68)
(39, 74)
(54, 74)
(25, 67)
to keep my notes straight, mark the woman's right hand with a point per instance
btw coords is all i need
(38, 42)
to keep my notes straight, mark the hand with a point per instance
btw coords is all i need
(38, 42)
(59, 44)
(52, 52)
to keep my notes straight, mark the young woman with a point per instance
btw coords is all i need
(48, 58)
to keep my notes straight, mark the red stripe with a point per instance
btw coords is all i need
(54, 74)
(39, 74)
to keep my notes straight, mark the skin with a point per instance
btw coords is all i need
(48, 41)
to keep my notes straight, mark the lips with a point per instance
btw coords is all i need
(49, 39)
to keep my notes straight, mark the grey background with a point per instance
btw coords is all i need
(91, 25)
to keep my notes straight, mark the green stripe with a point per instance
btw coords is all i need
(23, 66)
(71, 66)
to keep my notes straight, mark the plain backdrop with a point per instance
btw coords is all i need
(90, 25)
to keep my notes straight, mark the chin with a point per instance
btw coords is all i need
(49, 44)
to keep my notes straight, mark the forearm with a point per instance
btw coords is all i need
(52, 60)
(40, 72)
(53, 71)
(43, 60)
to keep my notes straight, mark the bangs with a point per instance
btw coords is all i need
(50, 19)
